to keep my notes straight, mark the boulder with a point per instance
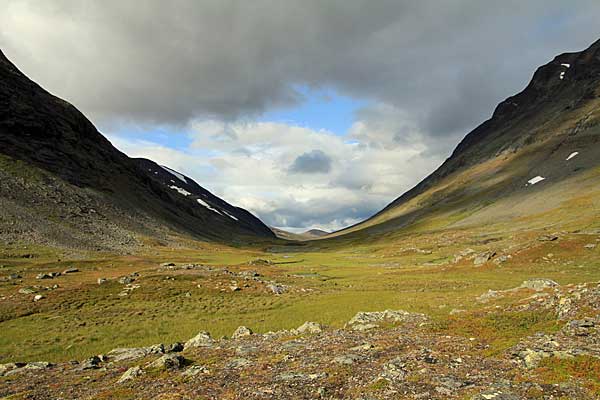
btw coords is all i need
(240, 332)
(482, 258)
(131, 374)
(309, 327)
(275, 288)
(202, 339)
(167, 362)
(538, 284)
(127, 353)
(195, 370)
(90, 363)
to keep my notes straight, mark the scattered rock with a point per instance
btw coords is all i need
(394, 370)
(309, 327)
(127, 353)
(174, 348)
(47, 275)
(131, 374)
(4, 368)
(202, 339)
(241, 332)
(275, 288)
(126, 279)
(482, 258)
(239, 363)
(38, 297)
(346, 359)
(547, 238)
(538, 284)
(91, 363)
(168, 362)
(195, 370)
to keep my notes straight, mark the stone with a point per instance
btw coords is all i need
(490, 294)
(495, 395)
(90, 363)
(346, 359)
(394, 370)
(275, 288)
(124, 280)
(482, 258)
(102, 280)
(38, 297)
(38, 365)
(195, 370)
(241, 332)
(13, 277)
(167, 264)
(547, 238)
(234, 288)
(239, 363)
(44, 275)
(27, 290)
(365, 319)
(590, 246)
(167, 362)
(127, 353)
(131, 374)
(202, 339)
(174, 348)
(4, 368)
(538, 284)
(309, 327)
(70, 271)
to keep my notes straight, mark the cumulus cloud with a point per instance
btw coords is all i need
(336, 181)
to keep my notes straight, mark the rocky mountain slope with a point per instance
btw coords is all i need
(539, 148)
(63, 183)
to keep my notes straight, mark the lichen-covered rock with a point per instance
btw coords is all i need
(167, 362)
(241, 331)
(309, 328)
(202, 339)
(538, 284)
(131, 374)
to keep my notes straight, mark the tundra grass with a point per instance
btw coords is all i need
(329, 286)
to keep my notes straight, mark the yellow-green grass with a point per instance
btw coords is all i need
(328, 286)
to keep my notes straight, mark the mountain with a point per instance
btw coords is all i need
(62, 182)
(307, 235)
(538, 151)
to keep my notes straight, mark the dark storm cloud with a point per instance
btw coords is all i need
(445, 63)
(312, 162)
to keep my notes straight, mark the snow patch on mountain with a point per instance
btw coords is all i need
(180, 190)
(177, 174)
(205, 204)
(535, 180)
(573, 154)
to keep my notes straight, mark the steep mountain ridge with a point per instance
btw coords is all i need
(529, 134)
(41, 132)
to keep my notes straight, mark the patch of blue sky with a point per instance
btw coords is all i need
(322, 109)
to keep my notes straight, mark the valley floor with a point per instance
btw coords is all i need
(469, 327)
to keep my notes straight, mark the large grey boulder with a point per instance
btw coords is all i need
(202, 339)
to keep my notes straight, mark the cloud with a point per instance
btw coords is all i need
(294, 177)
(445, 64)
(312, 162)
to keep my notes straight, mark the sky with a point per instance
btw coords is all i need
(308, 113)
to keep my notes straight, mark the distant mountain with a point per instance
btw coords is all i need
(308, 235)
(540, 149)
(62, 182)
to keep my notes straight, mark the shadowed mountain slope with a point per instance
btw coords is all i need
(62, 182)
(550, 130)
